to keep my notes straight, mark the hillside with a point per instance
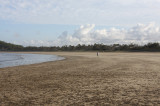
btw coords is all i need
(10, 47)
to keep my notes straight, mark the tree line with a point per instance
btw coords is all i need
(82, 47)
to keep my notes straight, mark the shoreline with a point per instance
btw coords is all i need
(84, 79)
(26, 59)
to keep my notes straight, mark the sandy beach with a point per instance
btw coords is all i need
(84, 79)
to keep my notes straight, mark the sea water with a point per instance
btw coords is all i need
(16, 59)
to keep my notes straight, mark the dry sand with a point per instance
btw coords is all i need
(84, 79)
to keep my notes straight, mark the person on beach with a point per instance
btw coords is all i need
(97, 53)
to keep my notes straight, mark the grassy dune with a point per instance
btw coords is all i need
(84, 79)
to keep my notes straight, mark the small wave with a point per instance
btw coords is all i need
(14, 57)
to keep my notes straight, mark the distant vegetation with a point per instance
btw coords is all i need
(10, 47)
(96, 47)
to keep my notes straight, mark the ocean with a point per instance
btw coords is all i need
(17, 59)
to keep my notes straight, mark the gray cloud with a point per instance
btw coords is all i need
(16, 35)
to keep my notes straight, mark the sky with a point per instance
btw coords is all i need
(72, 22)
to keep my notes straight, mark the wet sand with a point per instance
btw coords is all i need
(84, 79)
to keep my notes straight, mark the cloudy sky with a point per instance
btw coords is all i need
(70, 22)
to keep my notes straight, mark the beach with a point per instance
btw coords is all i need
(83, 78)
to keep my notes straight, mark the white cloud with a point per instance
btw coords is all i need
(86, 34)
(100, 12)
(35, 43)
